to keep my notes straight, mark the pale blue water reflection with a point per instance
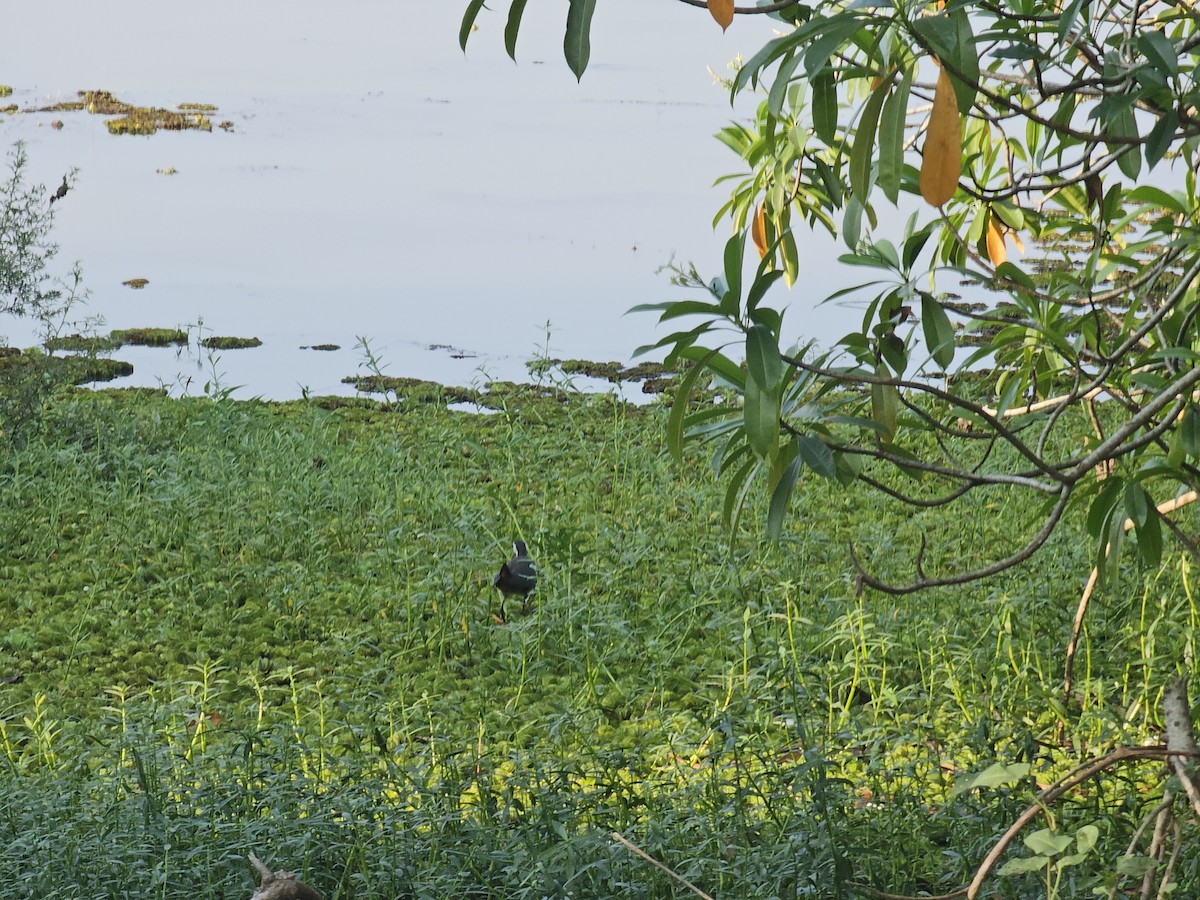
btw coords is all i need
(377, 182)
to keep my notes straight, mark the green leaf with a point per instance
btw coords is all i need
(577, 45)
(885, 400)
(1137, 504)
(825, 105)
(1161, 137)
(679, 406)
(782, 493)
(468, 22)
(762, 284)
(951, 39)
(735, 494)
(939, 332)
(513, 27)
(862, 154)
(1189, 430)
(817, 455)
(1102, 507)
(1159, 51)
(1023, 865)
(760, 412)
(1086, 837)
(735, 255)
(779, 84)
(1066, 21)
(763, 362)
(891, 137)
(1047, 842)
(1149, 541)
(995, 775)
(1136, 866)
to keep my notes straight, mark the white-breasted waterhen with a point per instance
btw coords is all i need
(517, 577)
(61, 192)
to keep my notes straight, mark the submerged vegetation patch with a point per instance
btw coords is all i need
(150, 337)
(126, 118)
(230, 343)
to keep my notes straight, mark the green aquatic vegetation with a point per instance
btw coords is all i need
(230, 343)
(247, 626)
(130, 119)
(149, 337)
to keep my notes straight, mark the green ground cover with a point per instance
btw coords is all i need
(231, 626)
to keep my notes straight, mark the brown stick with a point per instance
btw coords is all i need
(617, 836)
(1080, 774)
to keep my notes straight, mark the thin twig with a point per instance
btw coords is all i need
(617, 836)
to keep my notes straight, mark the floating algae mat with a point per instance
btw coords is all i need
(130, 119)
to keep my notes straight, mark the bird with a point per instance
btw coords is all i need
(280, 885)
(61, 192)
(516, 577)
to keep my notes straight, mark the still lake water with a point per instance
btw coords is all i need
(378, 182)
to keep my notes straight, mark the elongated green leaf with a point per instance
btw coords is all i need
(891, 137)
(1189, 430)
(885, 400)
(1110, 551)
(1159, 51)
(862, 154)
(817, 455)
(513, 27)
(781, 494)
(735, 255)
(736, 493)
(1066, 22)
(679, 406)
(760, 411)
(762, 283)
(1137, 504)
(1149, 540)
(779, 86)
(1161, 137)
(763, 362)
(766, 55)
(725, 368)
(952, 41)
(825, 105)
(577, 45)
(468, 22)
(939, 332)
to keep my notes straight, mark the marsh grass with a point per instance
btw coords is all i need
(245, 626)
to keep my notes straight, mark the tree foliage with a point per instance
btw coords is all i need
(983, 127)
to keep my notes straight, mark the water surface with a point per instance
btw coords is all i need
(379, 182)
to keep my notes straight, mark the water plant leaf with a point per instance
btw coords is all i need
(722, 12)
(577, 45)
(941, 163)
